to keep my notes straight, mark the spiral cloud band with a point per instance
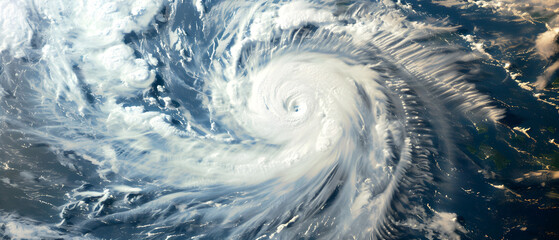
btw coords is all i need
(236, 119)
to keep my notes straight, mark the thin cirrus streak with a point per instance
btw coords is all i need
(283, 119)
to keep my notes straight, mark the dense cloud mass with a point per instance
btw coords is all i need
(270, 119)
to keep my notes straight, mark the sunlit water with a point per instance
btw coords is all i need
(276, 120)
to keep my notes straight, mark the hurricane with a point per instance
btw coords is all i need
(304, 119)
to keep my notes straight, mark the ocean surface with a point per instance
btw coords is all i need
(304, 119)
